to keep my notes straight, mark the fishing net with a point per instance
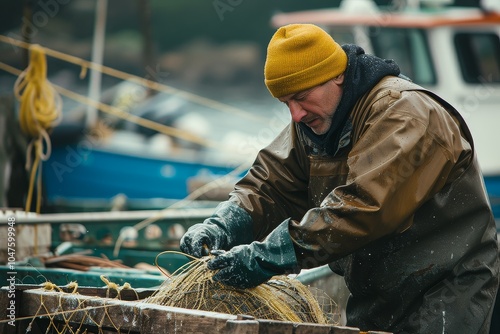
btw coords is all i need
(63, 310)
(122, 309)
(281, 298)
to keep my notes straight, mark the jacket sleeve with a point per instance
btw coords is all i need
(405, 151)
(275, 187)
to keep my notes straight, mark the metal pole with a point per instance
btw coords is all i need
(102, 217)
(147, 41)
(97, 57)
(26, 28)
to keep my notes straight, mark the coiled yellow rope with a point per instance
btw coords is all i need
(40, 110)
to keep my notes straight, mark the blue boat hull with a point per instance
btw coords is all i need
(76, 173)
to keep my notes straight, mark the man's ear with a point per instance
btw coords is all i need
(339, 80)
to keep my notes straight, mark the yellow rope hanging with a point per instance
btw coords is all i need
(39, 110)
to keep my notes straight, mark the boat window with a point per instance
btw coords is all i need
(409, 48)
(479, 56)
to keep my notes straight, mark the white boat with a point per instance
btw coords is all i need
(454, 51)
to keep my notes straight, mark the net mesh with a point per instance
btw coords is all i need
(281, 298)
(78, 315)
(191, 287)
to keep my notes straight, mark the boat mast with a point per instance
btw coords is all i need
(97, 57)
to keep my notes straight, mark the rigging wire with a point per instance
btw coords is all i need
(84, 64)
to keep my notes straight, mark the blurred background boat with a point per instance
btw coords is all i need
(118, 159)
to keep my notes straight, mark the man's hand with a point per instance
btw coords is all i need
(229, 226)
(247, 266)
(200, 238)
(239, 268)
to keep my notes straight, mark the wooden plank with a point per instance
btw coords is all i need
(312, 329)
(282, 327)
(79, 309)
(104, 292)
(138, 316)
(164, 319)
(275, 327)
(4, 304)
(119, 314)
(345, 330)
(242, 326)
(5, 312)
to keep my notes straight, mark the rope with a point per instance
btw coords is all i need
(84, 64)
(165, 129)
(40, 110)
(282, 298)
(49, 286)
(40, 103)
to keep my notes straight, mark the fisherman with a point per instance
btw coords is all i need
(375, 176)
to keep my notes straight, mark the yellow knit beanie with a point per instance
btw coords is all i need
(301, 56)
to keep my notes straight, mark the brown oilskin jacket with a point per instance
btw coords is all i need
(400, 211)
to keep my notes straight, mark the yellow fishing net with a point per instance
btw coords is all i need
(72, 313)
(281, 298)
(64, 310)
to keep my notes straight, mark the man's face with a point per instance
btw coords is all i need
(315, 106)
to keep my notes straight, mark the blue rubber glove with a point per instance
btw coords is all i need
(229, 226)
(247, 266)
